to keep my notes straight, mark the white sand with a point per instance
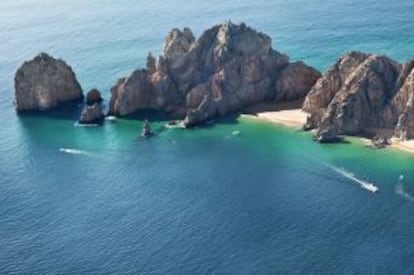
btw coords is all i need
(293, 117)
(405, 145)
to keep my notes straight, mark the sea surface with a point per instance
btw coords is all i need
(240, 197)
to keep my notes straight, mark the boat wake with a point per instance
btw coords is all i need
(233, 134)
(364, 184)
(77, 124)
(399, 190)
(73, 151)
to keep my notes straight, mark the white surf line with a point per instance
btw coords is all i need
(364, 184)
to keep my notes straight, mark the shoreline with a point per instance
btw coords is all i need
(289, 114)
(284, 113)
(289, 118)
(402, 145)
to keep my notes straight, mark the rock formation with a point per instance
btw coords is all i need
(93, 96)
(91, 114)
(230, 66)
(146, 129)
(44, 83)
(362, 93)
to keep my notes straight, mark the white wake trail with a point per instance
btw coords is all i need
(399, 190)
(77, 124)
(364, 184)
(74, 151)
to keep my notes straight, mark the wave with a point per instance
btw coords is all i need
(111, 118)
(73, 151)
(399, 190)
(364, 184)
(175, 126)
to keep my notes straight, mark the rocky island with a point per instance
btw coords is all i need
(227, 68)
(44, 83)
(362, 94)
(230, 67)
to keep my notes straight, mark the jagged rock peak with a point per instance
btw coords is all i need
(178, 42)
(227, 68)
(242, 39)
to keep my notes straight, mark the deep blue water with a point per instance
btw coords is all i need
(266, 201)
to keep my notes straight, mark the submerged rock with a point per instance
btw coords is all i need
(92, 114)
(360, 92)
(227, 68)
(45, 82)
(146, 129)
(380, 142)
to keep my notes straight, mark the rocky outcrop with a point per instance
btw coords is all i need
(44, 83)
(227, 68)
(92, 111)
(93, 96)
(91, 114)
(360, 92)
(146, 129)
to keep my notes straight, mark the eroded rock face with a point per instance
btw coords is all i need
(131, 94)
(44, 83)
(91, 114)
(294, 81)
(230, 66)
(323, 92)
(359, 92)
(405, 125)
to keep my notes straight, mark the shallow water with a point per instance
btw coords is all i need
(99, 199)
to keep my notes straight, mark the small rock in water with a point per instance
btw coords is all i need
(93, 96)
(380, 142)
(91, 114)
(146, 129)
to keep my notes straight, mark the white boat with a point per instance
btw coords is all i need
(370, 187)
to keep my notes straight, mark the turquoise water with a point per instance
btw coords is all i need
(267, 200)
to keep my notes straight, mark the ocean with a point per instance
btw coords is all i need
(240, 197)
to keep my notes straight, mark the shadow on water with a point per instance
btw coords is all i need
(152, 116)
(66, 111)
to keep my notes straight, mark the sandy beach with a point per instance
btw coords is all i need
(405, 145)
(290, 114)
(293, 118)
(286, 113)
